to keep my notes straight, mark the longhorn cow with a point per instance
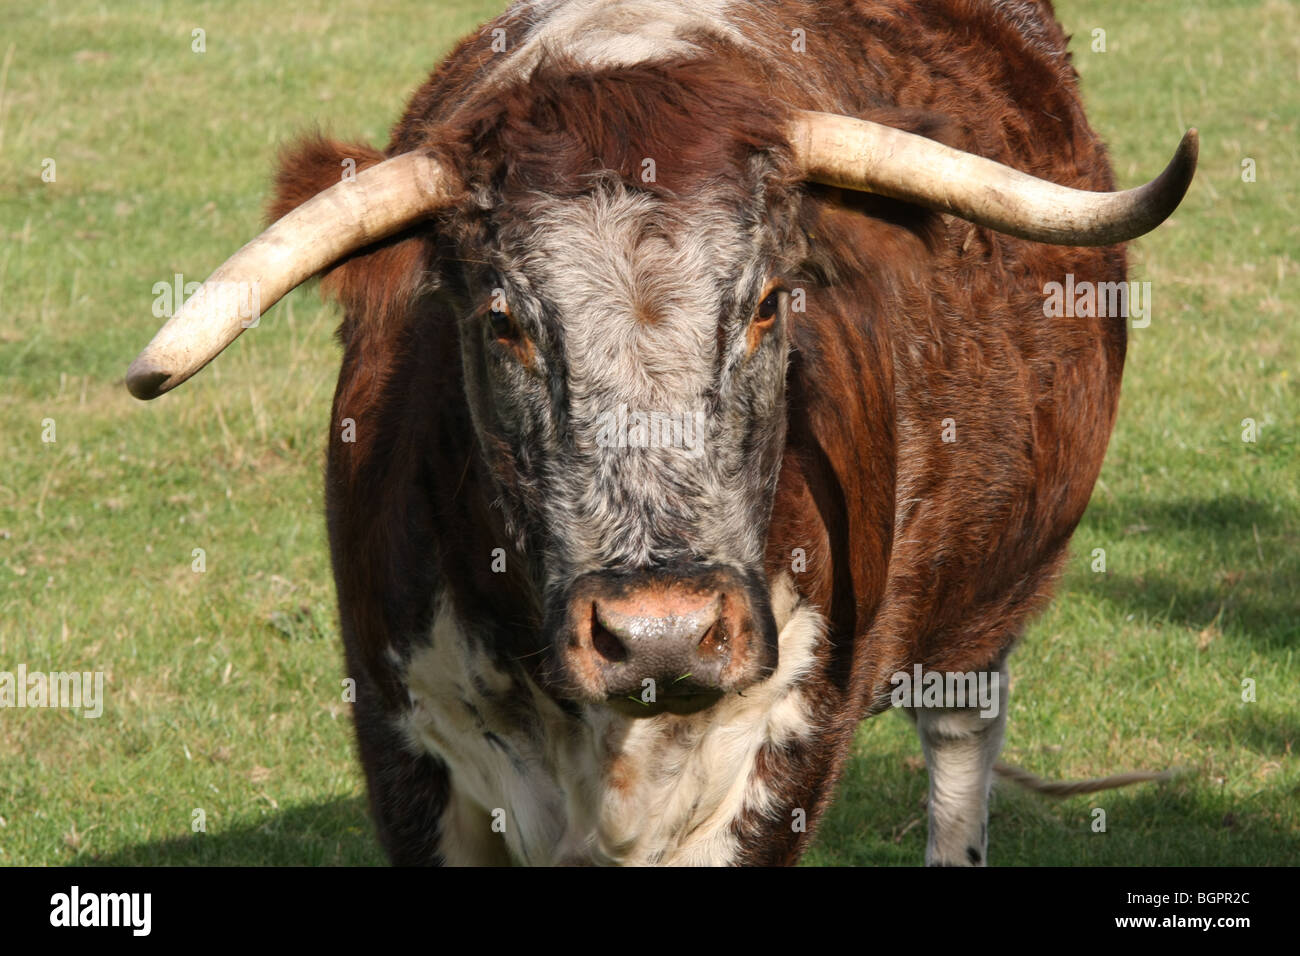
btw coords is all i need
(696, 383)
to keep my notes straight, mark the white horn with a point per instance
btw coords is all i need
(349, 215)
(861, 155)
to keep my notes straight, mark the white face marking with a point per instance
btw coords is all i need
(630, 296)
(604, 788)
(640, 301)
(609, 33)
(602, 272)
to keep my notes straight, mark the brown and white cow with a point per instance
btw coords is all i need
(696, 382)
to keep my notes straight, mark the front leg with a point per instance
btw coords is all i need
(420, 816)
(960, 748)
(408, 791)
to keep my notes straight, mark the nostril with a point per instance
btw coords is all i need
(714, 640)
(604, 642)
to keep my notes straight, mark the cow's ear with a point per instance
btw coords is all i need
(313, 164)
(375, 284)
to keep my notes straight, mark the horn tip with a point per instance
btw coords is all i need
(1182, 168)
(146, 381)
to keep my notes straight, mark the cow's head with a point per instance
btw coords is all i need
(623, 250)
(627, 261)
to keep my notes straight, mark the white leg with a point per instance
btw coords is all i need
(960, 748)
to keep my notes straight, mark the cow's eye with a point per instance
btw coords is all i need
(502, 326)
(506, 333)
(764, 320)
(769, 307)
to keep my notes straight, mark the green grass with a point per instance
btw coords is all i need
(224, 686)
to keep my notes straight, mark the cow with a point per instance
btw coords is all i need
(696, 384)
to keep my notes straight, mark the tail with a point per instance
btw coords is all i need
(1068, 788)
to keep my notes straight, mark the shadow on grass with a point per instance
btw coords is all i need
(333, 833)
(1185, 823)
(1264, 731)
(878, 819)
(1249, 583)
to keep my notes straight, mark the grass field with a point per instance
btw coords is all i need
(223, 687)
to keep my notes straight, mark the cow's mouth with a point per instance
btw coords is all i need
(682, 704)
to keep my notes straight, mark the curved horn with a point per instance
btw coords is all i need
(858, 154)
(380, 201)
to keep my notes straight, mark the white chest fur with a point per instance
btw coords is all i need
(533, 785)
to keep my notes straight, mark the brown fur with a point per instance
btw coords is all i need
(917, 550)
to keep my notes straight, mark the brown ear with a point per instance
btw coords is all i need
(374, 284)
(312, 165)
